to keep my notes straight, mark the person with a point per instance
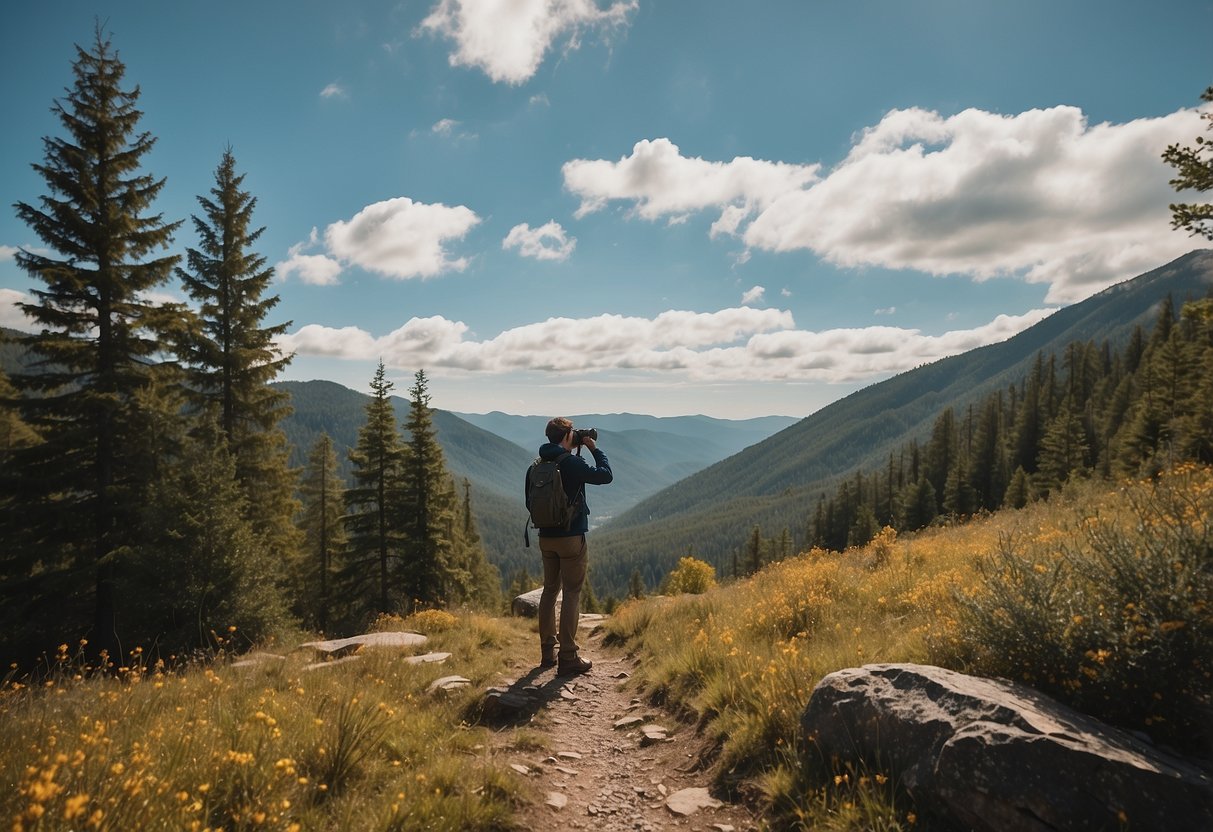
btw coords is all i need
(564, 550)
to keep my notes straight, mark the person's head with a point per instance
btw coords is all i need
(558, 429)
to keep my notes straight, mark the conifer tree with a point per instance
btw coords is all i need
(484, 580)
(1019, 490)
(1063, 449)
(323, 497)
(754, 551)
(200, 568)
(372, 526)
(429, 574)
(99, 341)
(1194, 171)
(233, 357)
(636, 585)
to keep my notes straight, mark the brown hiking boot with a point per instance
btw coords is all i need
(547, 657)
(573, 666)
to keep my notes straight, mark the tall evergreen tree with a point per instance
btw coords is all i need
(427, 507)
(323, 494)
(14, 432)
(753, 554)
(375, 540)
(100, 339)
(233, 357)
(1063, 449)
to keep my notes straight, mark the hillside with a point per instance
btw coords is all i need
(775, 483)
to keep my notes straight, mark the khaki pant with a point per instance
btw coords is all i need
(564, 561)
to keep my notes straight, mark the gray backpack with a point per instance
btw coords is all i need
(546, 498)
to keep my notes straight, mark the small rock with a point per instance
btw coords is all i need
(448, 683)
(723, 827)
(623, 674)
(661, 788)
(521, 769)
(627, 722)
(570, 772)
(428, 658)
(556, 800)
(686, 802)
(568, 755)
(568, 695)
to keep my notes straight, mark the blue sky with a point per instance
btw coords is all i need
(560, 206)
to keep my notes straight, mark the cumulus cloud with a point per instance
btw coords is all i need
(401, 238)
(661, 182)
(508, 41)
(547, 242)
(444, 127)
(333, 91)
(885, 310)
(314, 269)
(7, 253)
(735, 344)
(754, 295)
(1042, 195)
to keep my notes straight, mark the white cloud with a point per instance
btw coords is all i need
(314, 269)
(508, 40)
(333, 91)
(539, 100)
(754, 295)
(444, 127)
(401, 238)
(1041, 195)
(11, 315)
(885, 310)
(547, 242)
(786, 292)
(662, 182)
(739, 344)
(7, 253)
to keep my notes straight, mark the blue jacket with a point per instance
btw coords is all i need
(575, 473)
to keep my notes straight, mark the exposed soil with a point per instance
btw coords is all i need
(591, 774)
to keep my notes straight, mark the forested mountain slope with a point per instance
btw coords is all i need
(775, 483)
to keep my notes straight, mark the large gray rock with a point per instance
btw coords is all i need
(527, 604)
(354, 643)
(998, 756)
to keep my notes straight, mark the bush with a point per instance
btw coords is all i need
(691, 577)
(1111, 615)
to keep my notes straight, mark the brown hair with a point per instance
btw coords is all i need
(557, 428)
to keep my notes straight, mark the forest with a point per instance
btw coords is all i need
(146, 497)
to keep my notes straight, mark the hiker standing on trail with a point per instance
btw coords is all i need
(564, 548)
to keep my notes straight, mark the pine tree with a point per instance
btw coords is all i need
(429, 574)
(1063, 450)
(636, 585)
(233, 357)
(323, 497)
(372, 525)
(98, 342)
(1194, 166)
(1019, 490)
(200, 571)
(754, 551)
(484, 581)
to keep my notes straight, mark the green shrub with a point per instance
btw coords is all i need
(1111, 615)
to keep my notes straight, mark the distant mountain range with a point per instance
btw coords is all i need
(776, 483)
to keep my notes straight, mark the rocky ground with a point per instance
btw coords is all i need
(598, 757)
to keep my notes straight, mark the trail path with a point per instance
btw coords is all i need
(595, 774)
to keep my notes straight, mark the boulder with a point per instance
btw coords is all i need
(527, 604)
(994, 755)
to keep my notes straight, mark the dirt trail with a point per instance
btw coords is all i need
(592, 774)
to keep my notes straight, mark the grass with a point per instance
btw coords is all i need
(744, 658)
(359, 746)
